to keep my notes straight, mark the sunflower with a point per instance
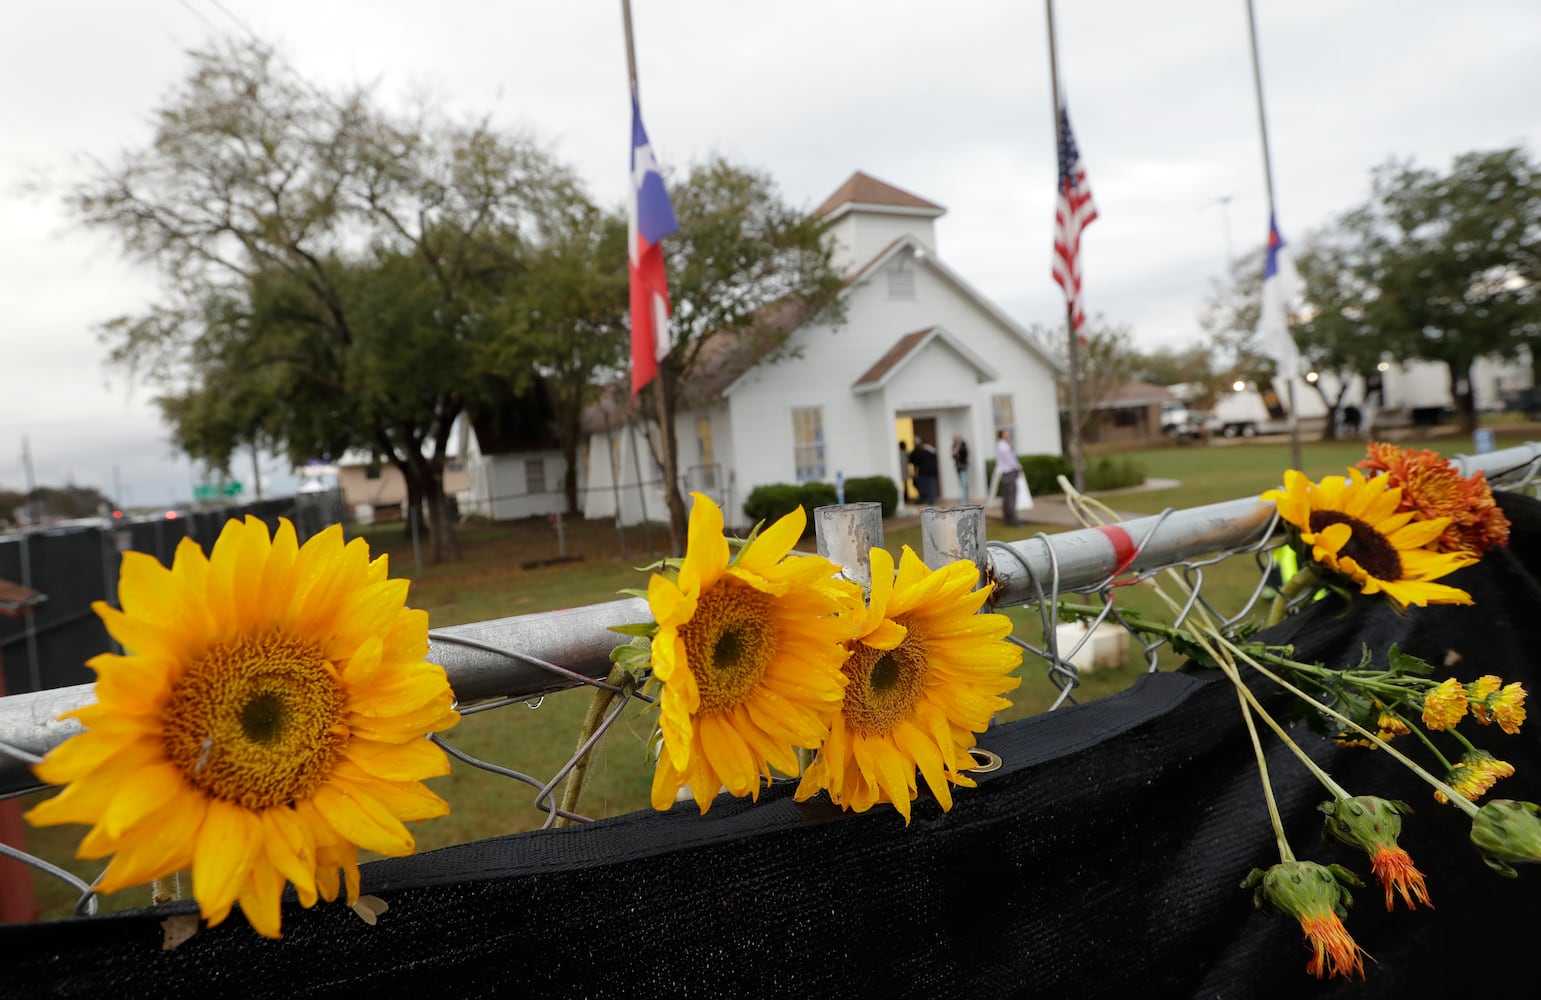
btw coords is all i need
(265, 723)
(748, 654)
(1431, 486)
(1350, 526)
(925, 675)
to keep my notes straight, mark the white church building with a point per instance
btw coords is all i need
(920, 356)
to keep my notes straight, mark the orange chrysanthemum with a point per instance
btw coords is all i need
(1431, 486)
(1445, 704)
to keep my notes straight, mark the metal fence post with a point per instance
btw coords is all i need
(948, 534)
(847, 534)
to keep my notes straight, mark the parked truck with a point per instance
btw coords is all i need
(1242, 414)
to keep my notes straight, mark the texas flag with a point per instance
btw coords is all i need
(650, 219)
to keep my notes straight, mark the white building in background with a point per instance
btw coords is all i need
(921, 355)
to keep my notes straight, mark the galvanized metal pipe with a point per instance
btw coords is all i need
(948, 534)
(1085, 559)
(847, 534)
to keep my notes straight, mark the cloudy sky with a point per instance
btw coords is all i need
(947, 100)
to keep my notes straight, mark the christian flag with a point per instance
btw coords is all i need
(1281, 285)
(650, 219)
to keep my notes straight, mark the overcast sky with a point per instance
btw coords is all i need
(949, 100)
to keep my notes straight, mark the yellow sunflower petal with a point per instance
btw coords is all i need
(773, 544)
(413, 760)
(259, 898)
(168, 845)
(706, 552)
(228, 843)
(363, 821)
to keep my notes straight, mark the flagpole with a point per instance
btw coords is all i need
(1073, 392)
(660, 390)
(1262, 127)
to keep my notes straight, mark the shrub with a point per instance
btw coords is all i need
(1040, 470)
(1106, 473)
(867, 489)
(1111, 473)
(772, 502)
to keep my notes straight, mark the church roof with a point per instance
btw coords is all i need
(864, 189)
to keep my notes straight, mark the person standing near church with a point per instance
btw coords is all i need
(927, 471)
(1008, 469)
(960, 462)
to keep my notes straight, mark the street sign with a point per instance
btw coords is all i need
(215, 491)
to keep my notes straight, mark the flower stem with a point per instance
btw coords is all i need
(1418, 731)
(1303, 580)
(1459, 800)
(1285, 854)
(603, 696)
(166, 890)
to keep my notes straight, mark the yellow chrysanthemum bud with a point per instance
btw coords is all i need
(1318, 897)
(1475, 773)
(1506, 832)
(1444, 704)
(1504, 705)
(1477, 694)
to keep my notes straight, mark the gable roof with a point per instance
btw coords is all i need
(868, 192)
(911, 346)
(925, 256)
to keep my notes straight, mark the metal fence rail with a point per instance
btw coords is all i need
(514, 660)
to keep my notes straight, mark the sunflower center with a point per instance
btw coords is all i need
(262, 718)
(884, 684)
(1369, 548)
(257, 721)
(729, 642)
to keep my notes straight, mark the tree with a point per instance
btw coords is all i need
(1335, 332)
(1451, 263)
(354, 256)
(570, 307)
(1191, 365)
(743, 264)
(1107, 361)
(1230, 319)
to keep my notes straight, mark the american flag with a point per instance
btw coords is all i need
(1074, 210)
(650, 218)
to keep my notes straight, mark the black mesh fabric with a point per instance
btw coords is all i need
(1103, 860)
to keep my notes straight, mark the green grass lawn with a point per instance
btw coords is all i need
(490, 582)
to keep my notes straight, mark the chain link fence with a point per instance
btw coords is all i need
(517, 661)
